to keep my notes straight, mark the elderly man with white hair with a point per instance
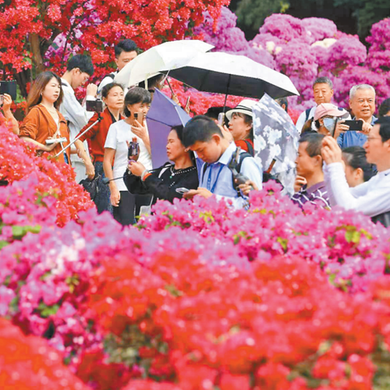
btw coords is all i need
(362, 105)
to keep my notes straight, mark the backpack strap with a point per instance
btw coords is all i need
(110, 75)
(251, 151)
(243, 156)
(307, 114)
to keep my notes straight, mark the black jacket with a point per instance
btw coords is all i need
(163, 182)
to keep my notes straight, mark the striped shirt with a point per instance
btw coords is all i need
(316, 194)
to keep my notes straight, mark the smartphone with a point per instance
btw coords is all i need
(8, 87)
(221, 118)
(139, 116)
(94, 105)
(354, 125)
(182, 190)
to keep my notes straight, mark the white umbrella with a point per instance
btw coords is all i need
(233, 75)
(168, 55)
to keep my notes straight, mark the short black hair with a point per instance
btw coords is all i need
(82, 62)
(213, 112)
(384, 108)
(314, 142)
(282, 101)
(323, 80)
(200, 128)
(384, 129)
(126, 45)
(136, 95)
(152, 82)
(179, 131)
(108, 87)
(355, 157)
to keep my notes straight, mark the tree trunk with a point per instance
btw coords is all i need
(35, 45)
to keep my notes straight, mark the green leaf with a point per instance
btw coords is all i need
(20, 231)
(352, 236)
(173, 290)
(47, 311)
(3, 244)
(283, 243)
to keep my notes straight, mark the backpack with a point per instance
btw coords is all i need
(110, 75)
(237, 167)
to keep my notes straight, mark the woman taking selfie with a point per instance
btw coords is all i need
(44, 126)
(113, 98)
(119, 136)
(169, 181)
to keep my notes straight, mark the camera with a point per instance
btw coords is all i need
(95, 105)
(8, 87)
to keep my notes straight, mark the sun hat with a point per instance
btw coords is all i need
(330, 109)
(244, 107)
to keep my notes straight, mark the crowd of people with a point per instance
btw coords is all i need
(343, 156)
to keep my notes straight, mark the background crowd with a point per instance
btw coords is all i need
(96, 143)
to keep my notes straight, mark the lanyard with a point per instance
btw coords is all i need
(212, 189)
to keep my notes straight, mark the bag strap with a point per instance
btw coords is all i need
(307, 114)
(243, 156)
(251, 151)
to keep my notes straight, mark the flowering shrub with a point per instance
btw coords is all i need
(92, 26)
(175, 297)
(200, 102)
(18, 161)
(309, 48)
(346, 245)
(27, 363)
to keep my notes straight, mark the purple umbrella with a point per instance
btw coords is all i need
(163, 114)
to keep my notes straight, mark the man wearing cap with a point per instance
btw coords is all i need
(327, 119)
(241, 125)
(323, 93)
(362, 104)
(372, 197)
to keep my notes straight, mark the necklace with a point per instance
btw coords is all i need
(175, 172)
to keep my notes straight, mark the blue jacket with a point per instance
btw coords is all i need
(353, 138)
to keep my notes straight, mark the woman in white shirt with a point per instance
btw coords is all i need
(120, 134)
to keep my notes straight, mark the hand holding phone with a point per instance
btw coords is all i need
(354, 125)
(221, 118)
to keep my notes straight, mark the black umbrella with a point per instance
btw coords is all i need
(233, 75)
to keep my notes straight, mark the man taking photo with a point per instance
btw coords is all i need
(372, 197)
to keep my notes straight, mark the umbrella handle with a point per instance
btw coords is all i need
(170, 86)
(271, 166)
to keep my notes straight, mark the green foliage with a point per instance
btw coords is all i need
(251, 13)
(372, 12)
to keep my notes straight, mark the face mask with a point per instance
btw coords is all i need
(329, 123)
